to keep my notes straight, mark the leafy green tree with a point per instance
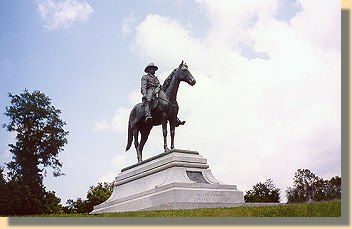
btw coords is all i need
(16, 199)
(319, 190)
(39, 139)
(294, 196)
(334, 188)
(78, 206)
(263, 192)
(51, 203)
(96, 195)
(2, 178)
(327, 189)
(3, 199)
(303, 186)
(308, 187)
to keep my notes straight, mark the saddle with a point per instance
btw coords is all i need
(155, 101)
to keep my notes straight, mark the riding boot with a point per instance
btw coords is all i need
(179, 122)
(148, 116)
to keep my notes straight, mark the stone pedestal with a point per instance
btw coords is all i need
(177, 179)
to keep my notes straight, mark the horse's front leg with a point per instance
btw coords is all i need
(172, 133)
(164, 125)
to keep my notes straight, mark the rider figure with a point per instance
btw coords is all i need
(150, 87)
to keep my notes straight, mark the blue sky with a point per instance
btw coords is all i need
(277, 63)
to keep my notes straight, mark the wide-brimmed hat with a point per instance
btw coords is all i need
(150, 66)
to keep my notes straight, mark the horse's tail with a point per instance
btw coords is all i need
(131, 121)
(130, 136)
(135, 115)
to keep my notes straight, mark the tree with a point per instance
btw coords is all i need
(334, 188)
(2, 192)
(51, 203)
(308, 187)
(16, 199)
(39, 139)
(263, 192)
(303, 184)
(96, 195)
(78, 206)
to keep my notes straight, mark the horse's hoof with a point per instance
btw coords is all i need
(179, 123)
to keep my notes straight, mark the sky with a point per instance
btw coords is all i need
(267, 100)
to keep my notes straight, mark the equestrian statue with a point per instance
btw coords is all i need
(158, 107)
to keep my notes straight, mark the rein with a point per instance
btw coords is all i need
(166, 99)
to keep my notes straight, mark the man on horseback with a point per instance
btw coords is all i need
(150, 87)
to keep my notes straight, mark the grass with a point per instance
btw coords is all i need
(319, 209)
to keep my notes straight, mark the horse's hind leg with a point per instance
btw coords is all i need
(136, 145)
(144, 138)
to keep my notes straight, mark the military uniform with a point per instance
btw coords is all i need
(150, 87)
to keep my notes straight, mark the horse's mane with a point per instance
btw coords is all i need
(167, 81)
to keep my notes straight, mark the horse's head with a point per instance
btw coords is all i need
(185, 75)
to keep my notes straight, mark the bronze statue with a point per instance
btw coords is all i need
(159, 106)
(150, 87)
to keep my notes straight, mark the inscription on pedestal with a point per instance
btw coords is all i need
(211, 197)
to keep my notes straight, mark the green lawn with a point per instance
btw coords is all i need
(320, 209)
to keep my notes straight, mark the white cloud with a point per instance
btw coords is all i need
(324, 27)
(62, 14)
(163, 39)
(118, 124)
(254, 119)
(110, 177)
(120, 118)
(120, 161)
(127, 24)
(102, 125)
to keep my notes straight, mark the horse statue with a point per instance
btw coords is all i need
(164, 110)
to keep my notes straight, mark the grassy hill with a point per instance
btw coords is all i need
(319, 209)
